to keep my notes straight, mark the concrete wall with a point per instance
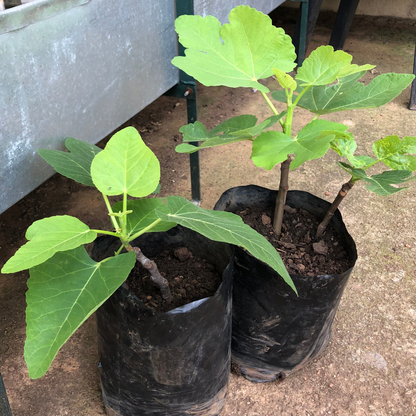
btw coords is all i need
(396, 8)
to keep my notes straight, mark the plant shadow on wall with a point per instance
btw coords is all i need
(150, 360)
(274, 332)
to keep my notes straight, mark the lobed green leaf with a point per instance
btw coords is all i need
(126, 165)
(322, 66)
(75, 164)
(47, 237)
(312, 142)
(393, 152)
(230, 131)
(238, 54)
(62, 293)
(350, 94)
(346, 146)
(223, 227)
(381, 184)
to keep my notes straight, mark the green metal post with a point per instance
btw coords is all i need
(301, 31)
(189, 92)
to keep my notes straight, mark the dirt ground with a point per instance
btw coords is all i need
(369, 366)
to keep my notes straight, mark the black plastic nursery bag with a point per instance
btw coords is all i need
(172, 363)
(275, 332)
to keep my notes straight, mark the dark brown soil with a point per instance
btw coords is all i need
(301, 252)
(190, 278)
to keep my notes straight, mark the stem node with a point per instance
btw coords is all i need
(155, 275)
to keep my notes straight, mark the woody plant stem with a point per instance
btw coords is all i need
(119, 221)
(337, 201)
(285, 166)
(155, 275)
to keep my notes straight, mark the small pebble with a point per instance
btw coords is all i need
(266, 220)
(320, 248)
(327, 193)
(182, 253)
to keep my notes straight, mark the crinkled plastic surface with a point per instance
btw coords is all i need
(275, 332)
(173, 363)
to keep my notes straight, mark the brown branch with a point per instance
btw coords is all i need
(155, 275)
(337, 201)
(281, 196)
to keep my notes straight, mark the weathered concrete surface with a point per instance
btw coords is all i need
(400, 8)
(369, 367)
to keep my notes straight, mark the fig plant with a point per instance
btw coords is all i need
(66, 286)
(249, 48)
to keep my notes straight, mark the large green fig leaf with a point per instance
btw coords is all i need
(47, 237)
(75, 164)
(232, 130)
(381, 184)
(324, 65)
(350, 94)
(392, 152)
(143, 215)
(62, 293)
(126, 165)
(312, 142)
(238, 54)
(223, 227)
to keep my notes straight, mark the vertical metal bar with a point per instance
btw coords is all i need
(412, 104)
(194, 157)
(311, 14)
(187, 7)
(304, 11)
(343, 21)
(4, 403)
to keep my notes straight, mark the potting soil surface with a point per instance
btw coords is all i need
(190, 278)
(301, 252)
(369, 367)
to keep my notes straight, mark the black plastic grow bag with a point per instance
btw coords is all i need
(274, 331)
(172, 363)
